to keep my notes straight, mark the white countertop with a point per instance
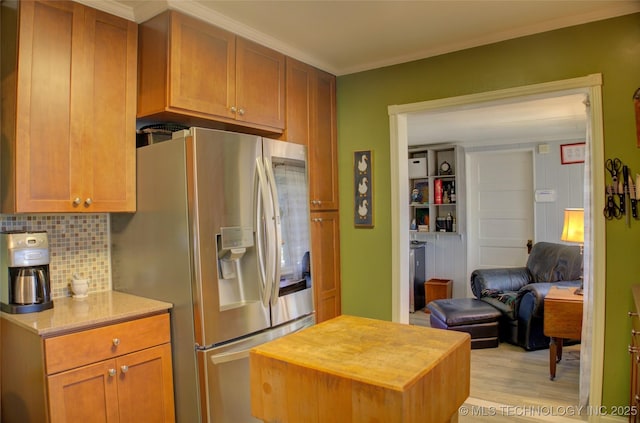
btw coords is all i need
(98, 308)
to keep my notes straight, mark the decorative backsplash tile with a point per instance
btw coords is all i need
(77, 242)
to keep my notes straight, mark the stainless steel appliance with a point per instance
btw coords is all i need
(25, 286)
(222, 232)
(417, 275)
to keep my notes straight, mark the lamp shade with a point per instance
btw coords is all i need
(573, 229)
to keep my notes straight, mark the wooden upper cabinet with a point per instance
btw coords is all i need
(311, 121)
(323, 154)
(192, 72)
(299, 84)
(260, 76)
(69, 133)
(202, 73)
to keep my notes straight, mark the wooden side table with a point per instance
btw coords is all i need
(436, 289)
(562, 319)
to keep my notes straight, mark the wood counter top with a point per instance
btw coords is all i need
(352, 369)
(98, 308)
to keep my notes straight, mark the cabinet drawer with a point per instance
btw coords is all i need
(78, 349)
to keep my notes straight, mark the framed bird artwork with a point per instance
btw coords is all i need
(363, 189)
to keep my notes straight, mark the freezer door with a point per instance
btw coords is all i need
(226, 368)
(228, 291)
(286, 169)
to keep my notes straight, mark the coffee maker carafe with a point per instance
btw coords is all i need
(24, 272)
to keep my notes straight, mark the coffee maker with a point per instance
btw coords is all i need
(24, 272)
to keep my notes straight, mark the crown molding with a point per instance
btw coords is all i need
(142, 10)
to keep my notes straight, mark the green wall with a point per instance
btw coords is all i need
(610, 47)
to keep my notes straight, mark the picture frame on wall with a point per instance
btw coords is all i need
(363, 189)
(572, 153)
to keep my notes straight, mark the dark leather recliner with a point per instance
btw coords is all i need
(519, 292)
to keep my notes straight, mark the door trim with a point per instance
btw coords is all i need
(591, 85)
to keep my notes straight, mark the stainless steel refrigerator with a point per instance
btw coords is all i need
(222, 232)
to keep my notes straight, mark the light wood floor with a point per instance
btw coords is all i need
(509, 384)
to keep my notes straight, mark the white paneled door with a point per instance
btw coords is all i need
(500, 213)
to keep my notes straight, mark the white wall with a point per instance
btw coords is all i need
(446, 255)
(566, 180)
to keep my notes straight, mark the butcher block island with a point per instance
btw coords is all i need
(358, 370)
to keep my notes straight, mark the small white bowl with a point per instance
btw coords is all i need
(80, 288)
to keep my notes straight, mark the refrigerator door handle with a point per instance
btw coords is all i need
(230, 356)
(278, 231)
(242, 348)
(264, 213)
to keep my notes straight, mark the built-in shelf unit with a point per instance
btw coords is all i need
(434, 191)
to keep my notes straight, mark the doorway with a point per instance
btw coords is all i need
(399, 141)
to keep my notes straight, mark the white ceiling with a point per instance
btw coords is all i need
(344, 37)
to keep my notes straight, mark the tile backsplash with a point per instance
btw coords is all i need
(78, 243)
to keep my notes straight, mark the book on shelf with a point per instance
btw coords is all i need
(437, 194)
(422, 217)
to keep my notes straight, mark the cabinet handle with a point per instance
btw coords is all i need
(636, 398)
(116, 342)
(634, 332)
(633, 349)
(233, 109)
(632, 314)
(112, 372)
(77, 201)
(241, 111)
(318, 219)
(88, 201)
(124, 368)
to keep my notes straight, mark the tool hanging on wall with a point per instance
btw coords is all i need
(611, 210)
(636, 103)
(615, 207)
(622, 185)
(625, 192)
(633, 197)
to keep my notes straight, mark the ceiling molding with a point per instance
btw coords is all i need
(142, 10)
(549, 25)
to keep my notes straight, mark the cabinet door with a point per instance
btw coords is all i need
(298, 101)
(325, 264)
(260, 75)
(86, 394)
(202, 67)
(145, 386)
(323, 156)
(108, 147)
(75, 134)
(47, 129)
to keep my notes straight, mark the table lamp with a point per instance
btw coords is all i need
(573, 231)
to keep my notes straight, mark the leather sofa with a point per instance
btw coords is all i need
(519, 292)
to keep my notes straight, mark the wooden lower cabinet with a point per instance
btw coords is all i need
(325, 264)
(124, 389)
(116, 373)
